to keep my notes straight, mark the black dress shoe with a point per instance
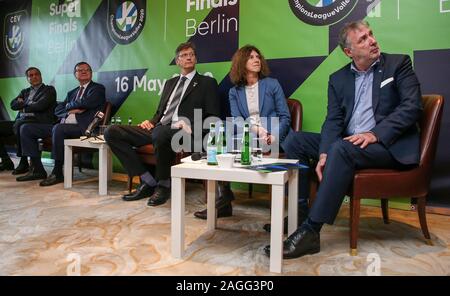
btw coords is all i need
(303, 241)
(223, 210)
(302, 215)
(21, 170)
(6, 166)
(144, 190)
(52, 180)
(32, 175)
(161, 195)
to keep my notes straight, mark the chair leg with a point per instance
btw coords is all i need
(250, 190)
(385, 210)
(129, 183)
(355, 205)
(421, 202)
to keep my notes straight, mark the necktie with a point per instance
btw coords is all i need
(175, 101)
(70, 118)
(80, 93)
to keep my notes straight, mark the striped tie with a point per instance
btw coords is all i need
(79, 94)
(175, 101)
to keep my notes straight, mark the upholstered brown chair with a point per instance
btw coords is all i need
(385, 183)
(296, 111)
(46, 143)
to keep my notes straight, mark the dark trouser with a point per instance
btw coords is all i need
(122, 139)
(303, 146)
(61, 132)
(343, 158)
(30, 133)
(7, 129)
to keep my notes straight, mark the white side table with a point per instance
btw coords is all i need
(104, 162)
(200, 170)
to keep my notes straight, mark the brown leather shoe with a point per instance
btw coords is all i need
(32, 175)
(141, 192)
(52, 180)
(223, 203)
(159, 197)
(225, 210)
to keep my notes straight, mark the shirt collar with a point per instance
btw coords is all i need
(355, 70)
(37, 87)
(190, 75)
(255, 85)
(85, 85)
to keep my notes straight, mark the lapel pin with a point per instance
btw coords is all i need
(195, 84)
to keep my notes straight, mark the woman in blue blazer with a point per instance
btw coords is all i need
(254, 96)
(257, 96)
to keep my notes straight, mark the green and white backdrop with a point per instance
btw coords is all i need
(130, 46)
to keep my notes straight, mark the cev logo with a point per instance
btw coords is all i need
(14, 33)
(15, 19)
(14, 37)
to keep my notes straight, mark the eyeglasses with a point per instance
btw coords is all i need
(185, 55)
(83, 70)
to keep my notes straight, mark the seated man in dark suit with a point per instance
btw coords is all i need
(374, 104)
(36, 104)
(180, 97)
(77, 112)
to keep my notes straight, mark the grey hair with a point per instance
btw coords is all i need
(343, 34)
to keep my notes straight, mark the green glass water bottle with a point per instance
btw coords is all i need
(221, 140)
(245, 148)
(211, 148)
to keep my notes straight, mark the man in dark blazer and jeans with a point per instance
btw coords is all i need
(36, 104)
(374, 104)
(181, 96)
(76, 113)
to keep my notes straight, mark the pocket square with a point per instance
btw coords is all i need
(386, 81)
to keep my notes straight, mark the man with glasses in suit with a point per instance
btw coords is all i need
(180, 97)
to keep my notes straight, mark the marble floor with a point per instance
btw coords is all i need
(53, 231)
